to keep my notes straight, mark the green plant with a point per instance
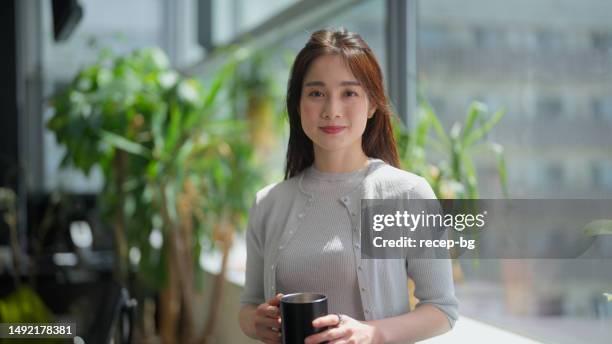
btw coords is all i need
(179, 171)
(258, 97)
(454, 174)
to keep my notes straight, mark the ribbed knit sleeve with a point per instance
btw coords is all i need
(253, 292)
(433, 278)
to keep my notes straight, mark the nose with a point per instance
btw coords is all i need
(332, 108)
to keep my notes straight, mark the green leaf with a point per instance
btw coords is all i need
(422, 131)
(498, 150)
(157, 127)
(439, 129)
(122, 143)
(599, 227)
(215, 87)
(187, 91)
(471, 177)
(474, 112)
(479, 133)
(173, 132)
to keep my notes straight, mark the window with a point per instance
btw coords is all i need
(234, 17)
(601, 174)
(434, 36)
(542, 62)
(549, 108)
(602, 41)
(602, 109)
(549, 40)
(122, 25)
(489, 38)
(553, 174)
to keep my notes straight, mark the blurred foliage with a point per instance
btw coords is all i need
(24, 306)
(173, 159)
(599, 227)
(453, 175)
(258, 97)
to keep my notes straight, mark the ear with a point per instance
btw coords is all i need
(371, 112)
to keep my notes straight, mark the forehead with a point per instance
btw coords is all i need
(330, 69)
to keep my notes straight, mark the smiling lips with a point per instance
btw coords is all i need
(332, 129)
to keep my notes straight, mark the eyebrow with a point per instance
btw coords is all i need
(343, 83)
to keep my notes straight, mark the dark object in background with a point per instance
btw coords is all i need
(116, 320)
(66, 16)
(297, 313)
(49, 219)
(102, 310)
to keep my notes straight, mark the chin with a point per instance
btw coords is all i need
(331, 147)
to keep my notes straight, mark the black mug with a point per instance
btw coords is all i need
(297, 313)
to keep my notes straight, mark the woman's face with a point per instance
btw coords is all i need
(334, 107)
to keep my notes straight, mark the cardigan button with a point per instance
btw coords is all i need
(301, 215)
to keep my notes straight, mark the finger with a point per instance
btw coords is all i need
(272, 311)
(264, 322)
(271, 341)
(326, 320)
(338, 341)
(331, 334)
(268, 311)
(269, 335)
(275, 301)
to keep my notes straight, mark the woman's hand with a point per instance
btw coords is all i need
(346, 331)
(267, 321)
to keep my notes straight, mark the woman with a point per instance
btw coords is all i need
(303, 233)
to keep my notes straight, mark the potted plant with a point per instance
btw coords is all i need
(178, 169)
(453, 175)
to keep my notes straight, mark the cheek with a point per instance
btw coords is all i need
(359, 113)
(309, 113)
(309, 108)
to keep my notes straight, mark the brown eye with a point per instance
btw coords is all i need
(315, 94)
(350, 94)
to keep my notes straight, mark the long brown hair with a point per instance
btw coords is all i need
(378, 141)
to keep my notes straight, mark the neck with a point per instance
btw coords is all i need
(340, 163)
